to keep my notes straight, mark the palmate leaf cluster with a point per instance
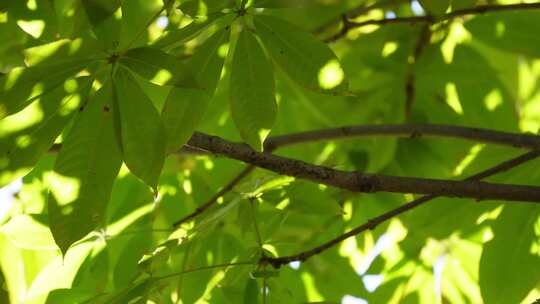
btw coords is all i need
(99, 100)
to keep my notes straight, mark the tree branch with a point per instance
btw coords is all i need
(374, 222)
(477, 10)
(528, 141)
(363, 182)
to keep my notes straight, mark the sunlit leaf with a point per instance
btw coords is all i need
(305, 59)
(184, 107)
(505, 31)
(22, 85)
(136, 16)
(509, 263)
(158, 67)
(25, 233)
(27, 135)
(178, 36)
(207, 62)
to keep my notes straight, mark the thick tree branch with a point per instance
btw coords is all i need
(477, 10)
(374, 222)
(528, 141)
(362, 182)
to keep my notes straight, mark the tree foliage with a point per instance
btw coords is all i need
(269, 151)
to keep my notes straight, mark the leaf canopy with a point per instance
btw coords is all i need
(269, 151)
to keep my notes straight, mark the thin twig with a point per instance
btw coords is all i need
(410, 88)
(204, 268)
(215, 197)
(251, 203)
(478, 135)
(374, 222)
(363, 182)
(477, 10)
(359, 11)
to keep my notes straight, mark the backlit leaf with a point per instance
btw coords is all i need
(84, 172)
(253, 104)
(141, 130)
(21, 86)
(23, 144)
(510, 263)
(304, 58)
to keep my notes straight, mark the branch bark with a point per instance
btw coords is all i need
(374, 222)
(362, 182)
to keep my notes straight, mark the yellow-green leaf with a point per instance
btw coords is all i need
(509, 264)
(27, 135)
(21, 86)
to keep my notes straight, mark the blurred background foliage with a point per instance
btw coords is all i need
(479, 71)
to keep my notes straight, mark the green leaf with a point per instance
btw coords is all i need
(136, 17)
(304, 58)
(158, 67)
(69, 51)
(23, 144)
(176, 37)
(280, 3)
(84, 172)
(100, 10)
(509, 265)
(436, 7)
(251, 293)
(207, 62)
(70, 296)
(70, 17)
(184, 107)
(182, 113)
(141, 130)
(265, 274)
(26, 233)
(101, 15)
(253, 104)
(359, 159)
(21, 86)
